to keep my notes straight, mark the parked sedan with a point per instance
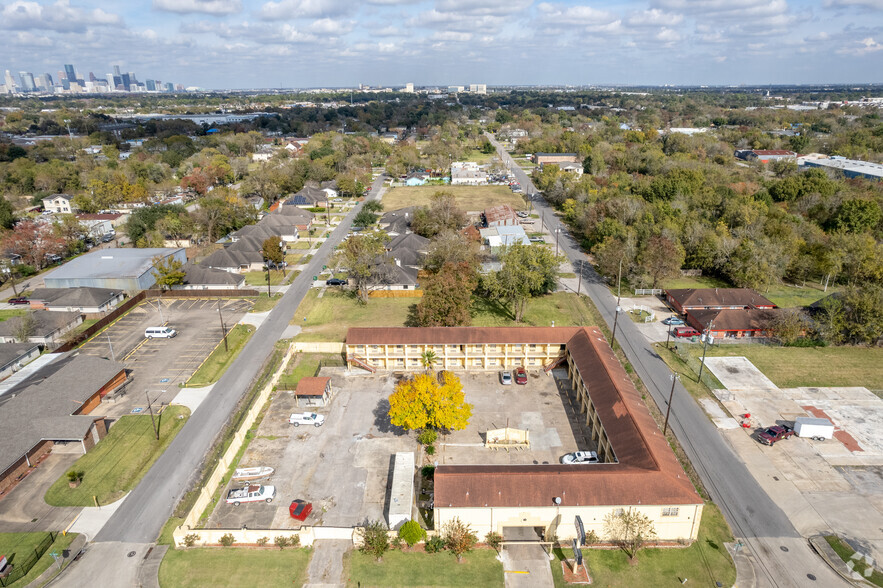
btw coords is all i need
(580, 457)
(335, 282)
(18, 301)
(506, 377)
(673, 320)
(520, 376)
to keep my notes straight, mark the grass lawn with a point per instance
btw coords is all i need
(300, 245)
(703, 563)
(467, 197)
(213, 367)
(479, 568)
(9, 313)
(479, 157)
(263, 303)
(792, 367)
(117, 463)
(22, 544)
(233, 567)
(305, 365)
(260, 278)
(329, 317)
(697, 282)
(846, 552)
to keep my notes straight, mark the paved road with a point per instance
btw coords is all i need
(781, 557)
(142, 515)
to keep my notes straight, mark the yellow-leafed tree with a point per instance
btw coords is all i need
(423, 403)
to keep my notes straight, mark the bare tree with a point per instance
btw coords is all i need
(629, 530)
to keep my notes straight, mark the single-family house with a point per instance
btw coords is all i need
(398, 222)
(308, 197)
(197, 277)
(58, 203)
(467, 173)
(408, 250)
(687, 299)
(14, 356)
(93, 302)
(503, 236)
(571, 168)
(233, 260)
(302, 219)
(541, 158)
(39, 326)
(416, 178)
(766, 155)
(101, 224)
(733, 323)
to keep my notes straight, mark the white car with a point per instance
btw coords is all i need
(253, 493)
(307, 418)
(578, 457)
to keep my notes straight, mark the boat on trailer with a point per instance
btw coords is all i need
(255, 473)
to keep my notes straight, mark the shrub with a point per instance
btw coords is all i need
(428, 472)
(458, 537)
(592, 538)
(282, 542)
(430, 450)
(75, 476)
(397, 543)
(294, 540)
(412, 533)
(375, 539)
(434, 544)
(227, 540)
(191, 539)
(494, 540)
(25, 270)
(427, 437)
(262, 542)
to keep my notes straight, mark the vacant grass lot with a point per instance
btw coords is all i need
(117, 463)
(467, 197)
(233, 567)
(398, 568)
(21, 544)
(213, 367)
(792, 367)
(329, 317)
(703, 564)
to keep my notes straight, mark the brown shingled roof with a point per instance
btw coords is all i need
(311, 386)
(647, 471)
(457, 335)
(751, 319)
(698, 297)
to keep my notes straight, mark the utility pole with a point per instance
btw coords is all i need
(152, 418)
(557, 234)
(668, 337)
(110, 344)
(706, 336)
(615, 319)
(267, 265)
(223, 326)
(674, 378)
(580, 282)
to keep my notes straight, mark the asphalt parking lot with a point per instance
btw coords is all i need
(344, 467)
(159, 365)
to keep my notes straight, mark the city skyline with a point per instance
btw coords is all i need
(220, 44)
(71, 79)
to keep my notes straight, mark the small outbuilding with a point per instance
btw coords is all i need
(313, 392)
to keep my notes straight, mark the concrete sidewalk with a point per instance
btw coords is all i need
(526, 566)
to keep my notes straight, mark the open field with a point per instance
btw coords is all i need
(467, 197)
(793, 367)
(22, 544)
(329, 317)
(233, 566)
(398, 568)
(118, 462)
(703, 563)
(216, 363)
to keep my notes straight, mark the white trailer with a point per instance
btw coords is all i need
(815, 428)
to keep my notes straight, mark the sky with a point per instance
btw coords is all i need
(224, 44)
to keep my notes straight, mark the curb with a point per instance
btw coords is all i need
(830, 557)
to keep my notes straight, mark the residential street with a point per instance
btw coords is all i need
(146, 509)
(780, 556)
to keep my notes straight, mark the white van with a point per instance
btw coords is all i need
(161, 332)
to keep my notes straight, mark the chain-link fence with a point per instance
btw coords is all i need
(23, 562)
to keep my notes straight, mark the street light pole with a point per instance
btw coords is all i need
(152, 418)
(706, 336)
(668, 337)
(557, 234)
(110, 344)
(267, 263)
(674, 378)
(615, 319)
(223, 326)
(580, 282)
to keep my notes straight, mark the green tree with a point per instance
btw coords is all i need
(451, 247)
(428, 359)
(365, 218)
(857, 216)
(855, 316)
(447, 296)
(7, 214)
(375, 539)
(442, 214)
(629, 530)
(422, 402)
(412, 533)
(458, 537)
(528, 271)
(360, 254)
(168, 272)
(272, 250)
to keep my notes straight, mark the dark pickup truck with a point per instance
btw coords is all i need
(773, 434)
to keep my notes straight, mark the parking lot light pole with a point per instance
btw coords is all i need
(674, 378)
(223, 326)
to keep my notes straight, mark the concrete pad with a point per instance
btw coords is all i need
(717, 415)
(526, 566)
(290, 332)
(254, 318)
(737, 374)
(192, 397)
(92, 519)
(326, 564)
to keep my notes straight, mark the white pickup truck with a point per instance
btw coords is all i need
(306, 418)
(253, 493)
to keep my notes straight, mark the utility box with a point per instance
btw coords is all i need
(813, 427)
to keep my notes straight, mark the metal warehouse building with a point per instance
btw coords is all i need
(121, 269)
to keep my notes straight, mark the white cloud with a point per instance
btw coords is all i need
(574, 16)
(666, 35)
(331, 27)
(869, 4)
(288, 9)
(60, 17)
(215, 7)
(653, 17)
(451, 36)
(483, 7)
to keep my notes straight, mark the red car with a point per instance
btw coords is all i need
(775, 433)
(300, 509)
(19, 301)
(520, 376)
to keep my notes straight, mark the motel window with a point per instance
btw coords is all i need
(476, 362)
(399, 347)
(618, 512)
(492, 346)
(375, 348)
(412, 348)
(454, 347)
(532, 362)
(492, 362)
(670, 511)
(400, 361)
(532, 346)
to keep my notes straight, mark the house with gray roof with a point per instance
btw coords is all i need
(45, 328)
(197, 277)
(14, 356)
(90, 301)
(130, 270)
(234, 260)
(408, 250)
(47, 409)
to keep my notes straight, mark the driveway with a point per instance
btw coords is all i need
(526, 566)
(24, 510)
